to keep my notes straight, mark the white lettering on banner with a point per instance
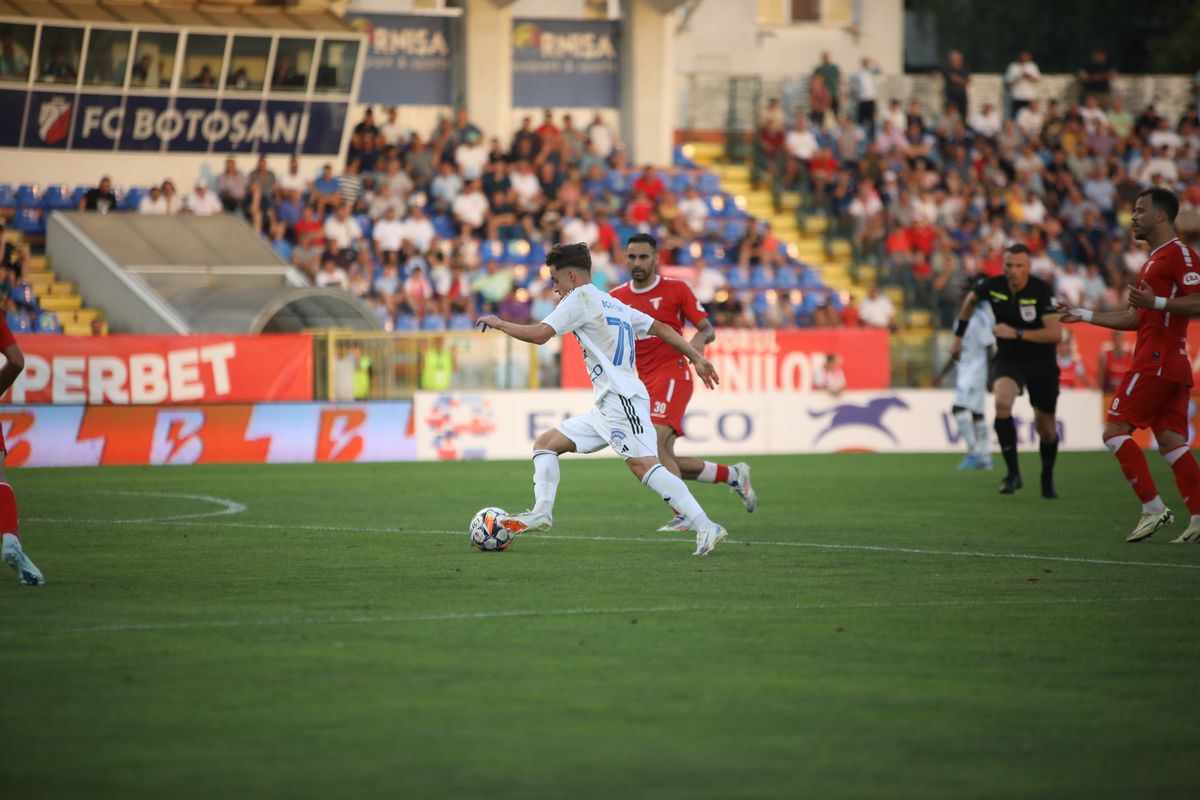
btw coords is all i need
(68, 379)
(410, 41)
(175, 440)
(107, 380)
(213, 125)
(143, 378)
(763, 372)
(576, 45)
(143, 123)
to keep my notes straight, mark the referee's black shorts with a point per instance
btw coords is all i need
(1040, 379)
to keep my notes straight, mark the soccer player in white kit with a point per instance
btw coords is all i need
(970, 389)
(606, 329)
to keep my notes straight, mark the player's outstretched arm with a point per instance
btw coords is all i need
(704, 367)
(1126, 320)
(1143, 297)
(535, 334)
(704, 335)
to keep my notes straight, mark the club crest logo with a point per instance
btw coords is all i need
(655, 301)
(1191, 278)
(1028, 313)
(54, 120)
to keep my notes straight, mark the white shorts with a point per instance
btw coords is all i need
(972, 397)
(622, 423)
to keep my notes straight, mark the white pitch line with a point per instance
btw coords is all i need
(868, 548)
(227, 507)
(561, 612)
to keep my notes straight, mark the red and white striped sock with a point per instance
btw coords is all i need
(1133, 464)
(717, 473)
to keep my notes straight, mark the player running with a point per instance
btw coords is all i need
(605, 329)
(1154, 392)
(1027, 329)
(667, 375)
(10, 543)
(970, 387)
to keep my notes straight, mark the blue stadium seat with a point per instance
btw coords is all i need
(738, 280)
(29, 195)
(18, 323)
(78, 195)
(30, 220)
(405, 322)
(618, 182)
(684, 257)
(761, 278)
(680, 159)
(131, 199)
(714, 253)
(56, 198)
(433, 322)
(786, 278)
(735, 229)
(709, 184)
(23, 294)
(443, 226)
(365, 223)
(47, 322)
(681, 181)
(461, 322)
(537, 254)
(8, 196)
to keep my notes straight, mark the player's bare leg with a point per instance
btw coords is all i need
(1174, 448)
(1005, 391)
(1047, 428)
(675, 493)
(546, 450)
(1118, 438)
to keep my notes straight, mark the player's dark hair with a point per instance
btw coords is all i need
(1164, 200)
(577, 255)
(644, 238)
(1019, 249)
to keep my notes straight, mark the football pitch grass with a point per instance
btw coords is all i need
(882, 626)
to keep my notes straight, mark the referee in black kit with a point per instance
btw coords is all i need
(1027, 331)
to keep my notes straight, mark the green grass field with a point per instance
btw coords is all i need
(882, 626)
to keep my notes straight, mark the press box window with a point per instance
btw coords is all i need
(248, 64)
(335, 71)
(293, 62)
(16, 45)
(107, 57)
(204, 62)
(155, 60)
(59, 55)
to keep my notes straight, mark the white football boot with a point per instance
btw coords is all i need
(15, 557)
(1189, 536)
(1149, 522)
(707, 540)
(677, 525)
(526, 521)
(743, 489)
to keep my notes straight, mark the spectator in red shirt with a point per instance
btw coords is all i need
(649, 184)
(850, 315)
(547, 131)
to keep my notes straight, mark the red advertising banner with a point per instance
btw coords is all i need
(263, 433)
(766, 360)
(164, 370)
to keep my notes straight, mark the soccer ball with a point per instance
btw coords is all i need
(487, 534)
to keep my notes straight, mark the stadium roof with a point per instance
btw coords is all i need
(234, 16)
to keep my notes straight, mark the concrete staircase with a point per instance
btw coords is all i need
(60, 297)
(911, 343)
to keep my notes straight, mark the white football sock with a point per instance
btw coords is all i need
(675, 493)
(708, 474)
(545, 480)
(966, 429)
(983, 438)
(1196, 519)
(1156, 505)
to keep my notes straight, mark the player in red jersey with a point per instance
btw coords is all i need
(1115, 361)
(10, 542)
(668, 377)
(1154, 392)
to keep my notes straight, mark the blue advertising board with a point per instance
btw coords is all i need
(567, 63)
(408, 59)
(160, 123)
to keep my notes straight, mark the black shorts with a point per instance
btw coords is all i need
(1040, 379)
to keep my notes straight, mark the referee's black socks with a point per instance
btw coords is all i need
(1049, 453)
(1006, 431)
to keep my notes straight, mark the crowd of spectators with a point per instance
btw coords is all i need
(433, 231)
(931, 197)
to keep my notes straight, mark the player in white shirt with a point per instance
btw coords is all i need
(970, 389)
(606, 330)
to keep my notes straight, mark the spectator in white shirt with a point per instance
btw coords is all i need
(382, 200)
(471, 157)
(1161, 165)
(332, 275)
(445, 187)
(695, 210)
(388, 234)
(876, 311)
(801, 145)
(342, 231)
(1165, 140)
(202, 202)
(1029, 118)
(986, 121)
(292, 180)
(864, 86)
(392, 131)
(470, 208)
(418, 229)
(1022, 78)
(581, 228)
(601, 137)
(1070, 285)
(525, 183)
(153, 203)
(1095, 118)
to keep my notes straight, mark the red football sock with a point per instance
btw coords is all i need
(1187, 476)
(722, 474)
(8, 510)
(1133, 464)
